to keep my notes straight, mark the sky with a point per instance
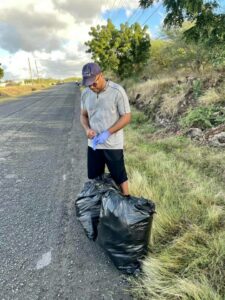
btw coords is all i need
(50, 34)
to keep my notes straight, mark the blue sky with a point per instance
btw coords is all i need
(152, 17)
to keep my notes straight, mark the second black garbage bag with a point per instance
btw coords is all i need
(124, 229)
(88, 203)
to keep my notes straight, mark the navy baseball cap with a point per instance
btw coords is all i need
(89, 73)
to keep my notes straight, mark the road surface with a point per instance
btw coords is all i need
(44, 253)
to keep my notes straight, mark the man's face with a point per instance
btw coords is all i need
(97, 84)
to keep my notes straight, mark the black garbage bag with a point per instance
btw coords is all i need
(124, 229)
(88, 203)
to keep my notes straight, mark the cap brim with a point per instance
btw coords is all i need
(88, 81)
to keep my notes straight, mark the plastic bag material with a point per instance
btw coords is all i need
(88, 203)
(124, 229)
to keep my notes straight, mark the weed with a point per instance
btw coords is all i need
(197, 88)
(203, 117)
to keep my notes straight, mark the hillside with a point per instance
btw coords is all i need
(184, 104)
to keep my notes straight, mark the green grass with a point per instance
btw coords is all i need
(186, 182)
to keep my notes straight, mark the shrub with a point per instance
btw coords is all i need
(204, 117)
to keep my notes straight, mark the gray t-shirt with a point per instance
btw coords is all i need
(104, 110)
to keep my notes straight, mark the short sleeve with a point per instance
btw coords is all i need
(123, 102)
(82, 103)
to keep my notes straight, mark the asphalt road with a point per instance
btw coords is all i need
(44, 253)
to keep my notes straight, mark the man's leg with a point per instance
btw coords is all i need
(115, 163)
(124, 188)
(95, 163)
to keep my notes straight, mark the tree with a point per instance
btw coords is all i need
(124, 51)
(181, 54)
(207, 24)
(1, 72)
(103, 44)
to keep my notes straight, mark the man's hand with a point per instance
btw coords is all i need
(90, 133)
(100, 138)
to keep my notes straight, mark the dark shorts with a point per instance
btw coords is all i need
(113, 159)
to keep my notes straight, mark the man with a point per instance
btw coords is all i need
(105, 110)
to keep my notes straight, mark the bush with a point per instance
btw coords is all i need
(204, 117)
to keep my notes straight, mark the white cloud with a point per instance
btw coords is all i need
(30, 30)
(52, 32)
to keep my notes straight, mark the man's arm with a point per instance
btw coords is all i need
(85, 123)
(121, 123)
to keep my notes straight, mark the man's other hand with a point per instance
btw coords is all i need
(90, 133)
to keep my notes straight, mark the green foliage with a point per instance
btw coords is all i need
(138, 118)
(141, 122)
(208, 25)
(189, 54)
(102, 46)
(124, 51)
(204, 117)
(197, 88)
(217, 56)
(172, 52)
(209, 28)
(1, 72)
(158, 58)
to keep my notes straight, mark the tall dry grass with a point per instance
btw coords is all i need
(187, 255)
(150, 87)
(213, 96)
(9, 92)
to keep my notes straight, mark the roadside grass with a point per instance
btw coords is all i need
(211, 96)
(187, 251)
(10, 92)
(150, 87)
(162, 95)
